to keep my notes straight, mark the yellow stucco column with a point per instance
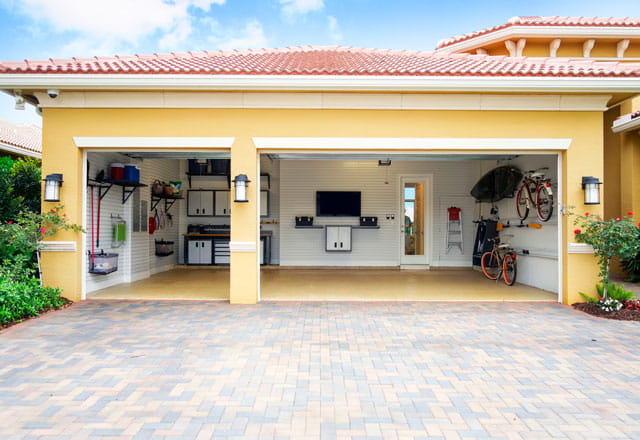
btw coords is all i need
(245, 227)
(584, 158)
(63, 269)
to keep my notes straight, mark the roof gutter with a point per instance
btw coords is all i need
(626, 123)
(381, 83)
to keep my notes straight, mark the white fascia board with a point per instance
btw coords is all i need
(438, 144)
(153, 142)
(542, 31)
(626, 124)
(320, 83)
(19, 151)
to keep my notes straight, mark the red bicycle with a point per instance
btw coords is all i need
(535, 190)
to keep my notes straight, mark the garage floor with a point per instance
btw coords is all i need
(319, 284)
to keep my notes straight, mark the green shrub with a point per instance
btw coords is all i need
(613, 291)
(24, 298)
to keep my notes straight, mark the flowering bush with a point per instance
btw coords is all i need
(632, 304)
(20, 240)
(617, 237)
(609, 304)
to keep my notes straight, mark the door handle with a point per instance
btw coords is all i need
(197, 210)
(196, 244)
(340, 245)
(203, 210)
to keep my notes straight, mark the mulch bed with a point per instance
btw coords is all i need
(620, 315)
(42, 312)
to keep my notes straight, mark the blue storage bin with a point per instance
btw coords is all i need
(131, 173)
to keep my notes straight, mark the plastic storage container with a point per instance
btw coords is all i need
(131, 173)
(117, 171)
(103, 264)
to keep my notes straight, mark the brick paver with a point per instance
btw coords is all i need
(202, 370)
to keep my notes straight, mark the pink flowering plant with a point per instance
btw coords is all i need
(618, 237)
(20, 240)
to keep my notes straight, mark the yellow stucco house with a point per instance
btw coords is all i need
(353, 156)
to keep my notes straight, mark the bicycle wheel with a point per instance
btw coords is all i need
(509, 269)
(521, 202)
(490, 265)
(544, 203)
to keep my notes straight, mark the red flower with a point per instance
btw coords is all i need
(577, 231)
(11, 222)
(617, 219)
(638, 224)
(64, 214)
(43, 230)
(629, 213)
(586, 214)
(52, 210)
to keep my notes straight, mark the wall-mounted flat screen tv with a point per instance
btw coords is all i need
(338, 203)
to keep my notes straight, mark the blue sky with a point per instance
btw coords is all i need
(40, 29)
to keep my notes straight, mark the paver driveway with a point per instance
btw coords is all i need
(320, 370)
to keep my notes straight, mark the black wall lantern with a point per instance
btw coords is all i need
(240, 182)
(591, 188)
(52, 184)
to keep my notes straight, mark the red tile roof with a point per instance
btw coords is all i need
(26, 138)
(547, 21)
(314, 60)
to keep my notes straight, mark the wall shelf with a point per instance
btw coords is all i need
(128, 187)
(309, 227)
(168, 201)
(365, 227)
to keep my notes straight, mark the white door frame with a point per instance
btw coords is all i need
(425, 260)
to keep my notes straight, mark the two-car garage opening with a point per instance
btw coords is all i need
(333, 226)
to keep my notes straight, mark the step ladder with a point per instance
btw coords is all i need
(454, 229)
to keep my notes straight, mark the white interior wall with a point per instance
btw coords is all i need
(136, 258)
(380, 187)
(540, 267)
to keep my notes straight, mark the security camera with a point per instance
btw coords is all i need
(53, 93)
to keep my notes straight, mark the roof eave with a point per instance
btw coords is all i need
(511, 32)
(382, 83)
(19, 151)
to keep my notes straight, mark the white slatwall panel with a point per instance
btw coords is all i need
(537, 271)
(137, 258)
(452, 181)
(111, 204)
(272, 167)
(163, 170)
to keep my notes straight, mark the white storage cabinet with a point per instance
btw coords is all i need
(338, 238)
(200, 203)
(200, 252)
(222, 206)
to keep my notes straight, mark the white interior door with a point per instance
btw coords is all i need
(415, 239)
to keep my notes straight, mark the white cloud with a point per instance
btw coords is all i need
(300, 7)
(115, 23)
(334, 29)
(251, 37)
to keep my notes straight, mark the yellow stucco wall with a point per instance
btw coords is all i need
(60, 155)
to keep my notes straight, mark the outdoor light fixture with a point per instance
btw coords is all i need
(240, 182)
(591, 188)
(384, 163)
(52, 184)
